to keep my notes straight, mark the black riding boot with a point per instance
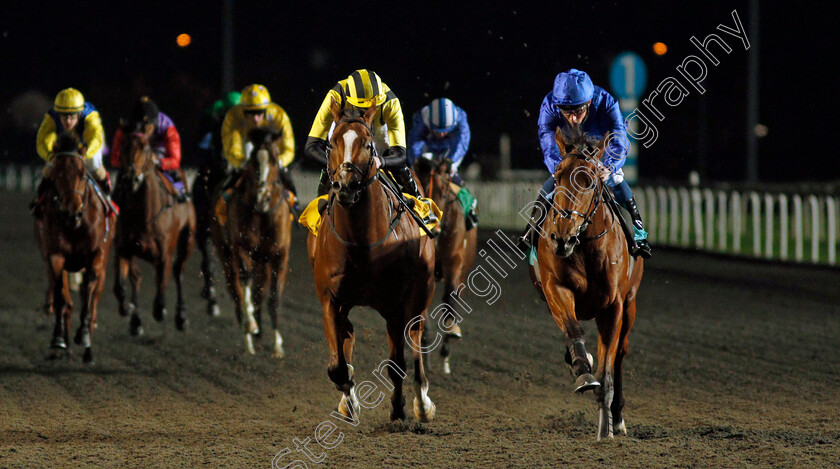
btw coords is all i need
(640, 235)
(406, 182)
(324, 183)
(286, 178)
(529, 236)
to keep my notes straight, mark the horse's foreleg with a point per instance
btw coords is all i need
(259, 287)
(208, 292)
(618, 375)
(609, 324)
(424, 408)
(340, 339)
(136, 327)
(184, 249)
(88, 289)
(55, 273)
(162, 267)
(120, 274)
(561, 304)
(277, 283)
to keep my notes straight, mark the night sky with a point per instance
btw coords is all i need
(496, 60)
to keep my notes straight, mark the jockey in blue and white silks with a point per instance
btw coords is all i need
(441, 129)
(575, 101)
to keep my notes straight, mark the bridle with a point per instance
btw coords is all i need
(594, 204)
(447, 198)
(366, 179)
(82, 193)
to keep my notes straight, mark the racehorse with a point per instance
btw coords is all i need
(74, 232)
(208, 179)
(455, 246)
(154, 227)
(252, 234)
(586, 272)
(368, 252)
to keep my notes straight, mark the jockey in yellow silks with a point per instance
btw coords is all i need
(70, 113)
(256, 109)
(355, 94)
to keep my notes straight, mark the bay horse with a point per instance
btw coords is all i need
(204, 192)
(74, 232)
(455, 246)
(154, 227)
(586, 272)
(252, 235)
(368, 252)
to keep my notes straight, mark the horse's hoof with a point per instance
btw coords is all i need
(446, 369)
(604, 424)
(586, 382)
(88, 356)
(208, 292)
(77, 339)
(452, 329)
(159, 314)
(213, 310)
(620, 427)
(253, 328)
(426, 412)
(134, 327)
(181, 323)
(344, 407)
(279, 353)
(58, 343)
(398, 414)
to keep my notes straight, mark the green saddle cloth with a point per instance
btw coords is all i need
(467, 200)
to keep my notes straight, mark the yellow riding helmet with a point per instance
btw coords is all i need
(364, 89)
(255, 98)
(69, 101)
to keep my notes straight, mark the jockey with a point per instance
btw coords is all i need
(575, 101)
(71, 113)
(355, 94)
(441, 129)
(211, 126)
(257, 110)
(165, 141)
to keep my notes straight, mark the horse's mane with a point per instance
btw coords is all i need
(579, 141)
(67, 142)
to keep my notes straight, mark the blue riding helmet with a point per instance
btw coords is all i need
(443, 117)
(572, 88)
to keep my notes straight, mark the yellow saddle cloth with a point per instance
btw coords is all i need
(311, 219)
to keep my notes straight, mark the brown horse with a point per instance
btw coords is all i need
(585, 272)
(369, 252)
(74, 232)
(154, 227)
(252, 234)
(455, 246)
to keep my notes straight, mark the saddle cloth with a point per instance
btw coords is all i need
(423, 207)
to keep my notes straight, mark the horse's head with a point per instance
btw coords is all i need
(577, 189)
(136, 157)
(434, 175)
(69, 179)
(262, 170)
(351, 164)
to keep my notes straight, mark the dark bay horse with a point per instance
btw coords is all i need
(154, 227)
(74, 232)
(207, 181)
(369, 252)
(252, 234)
(585, 272)
(455, 246)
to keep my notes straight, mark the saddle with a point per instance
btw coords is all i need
(176, 188)
(423, 207)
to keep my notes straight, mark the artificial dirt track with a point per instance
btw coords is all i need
(732, 364)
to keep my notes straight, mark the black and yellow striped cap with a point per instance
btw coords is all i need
(364, 89)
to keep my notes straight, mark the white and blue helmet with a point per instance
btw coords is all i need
(440, 116)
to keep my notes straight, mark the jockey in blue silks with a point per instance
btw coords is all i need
(441, 129)
(575, 101)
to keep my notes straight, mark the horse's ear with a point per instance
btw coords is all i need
(561, 141)
(368, 116)
(335, 109)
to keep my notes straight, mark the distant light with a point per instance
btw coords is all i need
(183, 40)
(760, 130)
(660, 48)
